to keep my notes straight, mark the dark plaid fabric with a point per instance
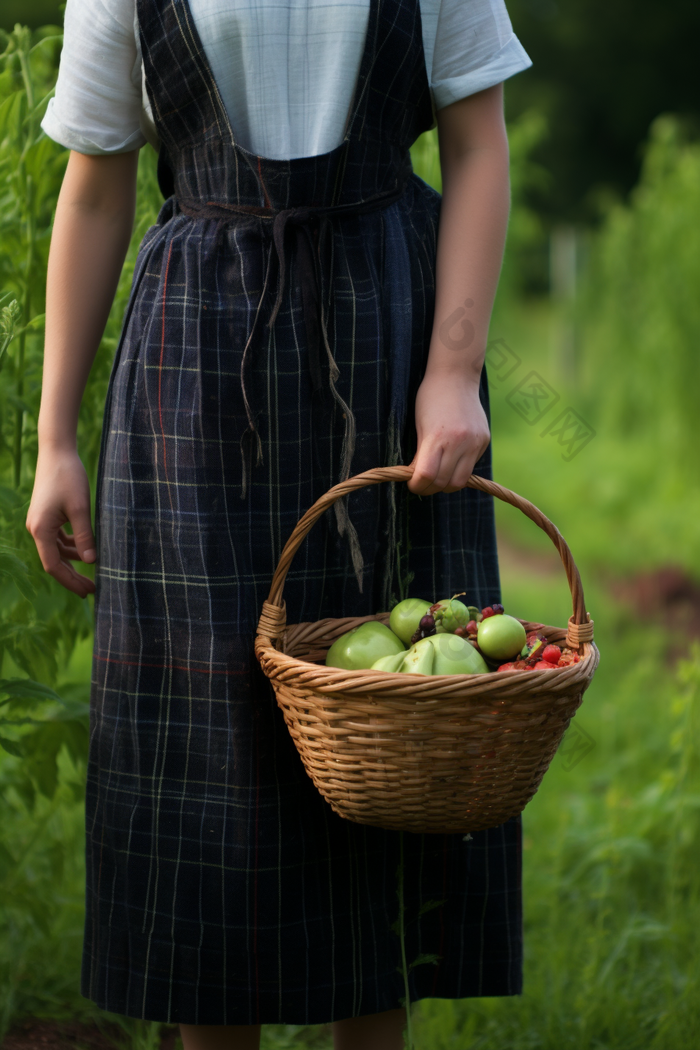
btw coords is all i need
(221, 888)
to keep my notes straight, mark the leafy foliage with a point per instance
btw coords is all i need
(40, 623)
(641, 312)
(43, 714)
(39, 626)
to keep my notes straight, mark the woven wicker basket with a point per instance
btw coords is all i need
(443, 754)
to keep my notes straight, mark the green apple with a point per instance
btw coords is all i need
(455, 655)
(406, 616)
(443, 654)
(419, 658)
(500, 637)
(362, 646)
(451, 614)
(389, 663)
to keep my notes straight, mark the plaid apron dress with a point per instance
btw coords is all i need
(221, 888)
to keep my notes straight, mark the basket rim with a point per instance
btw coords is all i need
(287, 668)
(405, 676)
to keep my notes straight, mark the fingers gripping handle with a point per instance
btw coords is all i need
(273, 618)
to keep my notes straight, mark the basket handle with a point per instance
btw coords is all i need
(273, 617)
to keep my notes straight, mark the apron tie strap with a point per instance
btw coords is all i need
(309, 253)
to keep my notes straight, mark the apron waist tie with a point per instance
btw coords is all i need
(309, 255)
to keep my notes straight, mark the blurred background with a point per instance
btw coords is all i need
(594, 373)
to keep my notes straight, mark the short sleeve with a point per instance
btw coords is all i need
(469, 46)
(97, 107)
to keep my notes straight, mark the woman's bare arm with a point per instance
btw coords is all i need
(92, 228)
(452, 427)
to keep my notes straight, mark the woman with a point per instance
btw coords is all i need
(291, 310)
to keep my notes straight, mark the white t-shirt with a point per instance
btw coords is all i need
(286, 69)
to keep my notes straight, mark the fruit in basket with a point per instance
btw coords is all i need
(425, 628)
(500, 637)
(454, 655)
(534, 662)
(450, 614)
(389, 663)
(551, 654)
(419, 659)
(362, 646)
(532, 651)
(405, 617)
(438, 654)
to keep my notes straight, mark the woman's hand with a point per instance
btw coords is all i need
(91, 231)
(62, 494)
(453, 433)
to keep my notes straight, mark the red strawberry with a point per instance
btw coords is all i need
(543, 665)
(552, 654)
(507, 667)
(488, 611)
(472, 627)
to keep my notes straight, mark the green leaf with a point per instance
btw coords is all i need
(424, 960)
(77, 787)
(26, 791)
(41, 750)
(11, 747)
(19, 721)
(10, 501)
(36, 324)
(10, 110)
(9, 318)
(7, 861)
(14, 568)
(27, 689)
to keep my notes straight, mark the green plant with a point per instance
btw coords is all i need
(640, 317)
(44, 630)
(40, 623)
